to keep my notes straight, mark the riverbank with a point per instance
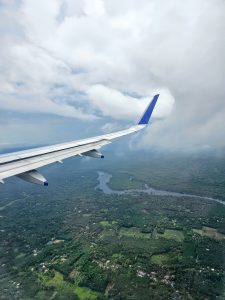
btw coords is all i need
(105, 178)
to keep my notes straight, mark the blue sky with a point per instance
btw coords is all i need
(77, 68)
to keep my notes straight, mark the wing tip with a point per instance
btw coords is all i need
(148, 112)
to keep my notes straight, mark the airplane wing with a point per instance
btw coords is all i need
(23, 164)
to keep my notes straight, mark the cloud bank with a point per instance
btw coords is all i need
(94, 59)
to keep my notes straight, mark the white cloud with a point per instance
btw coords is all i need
(94, 8)
(120, 106)
(110, 127)
(63, 56)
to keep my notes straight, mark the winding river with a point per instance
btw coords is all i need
(104, 180)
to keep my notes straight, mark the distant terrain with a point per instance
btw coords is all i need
(72, 241)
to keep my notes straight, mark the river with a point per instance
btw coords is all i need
(105, 178)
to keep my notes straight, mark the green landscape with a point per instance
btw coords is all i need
(72, 241)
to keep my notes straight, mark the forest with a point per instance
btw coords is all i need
(72, 241)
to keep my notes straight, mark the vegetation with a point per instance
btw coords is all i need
(71, 241)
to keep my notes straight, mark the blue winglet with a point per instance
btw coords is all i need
(147, 115)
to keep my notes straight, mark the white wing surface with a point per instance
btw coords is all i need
(24, 163)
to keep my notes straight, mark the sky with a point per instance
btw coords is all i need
(72, 69)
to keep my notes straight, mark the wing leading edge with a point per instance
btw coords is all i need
(24, 163)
